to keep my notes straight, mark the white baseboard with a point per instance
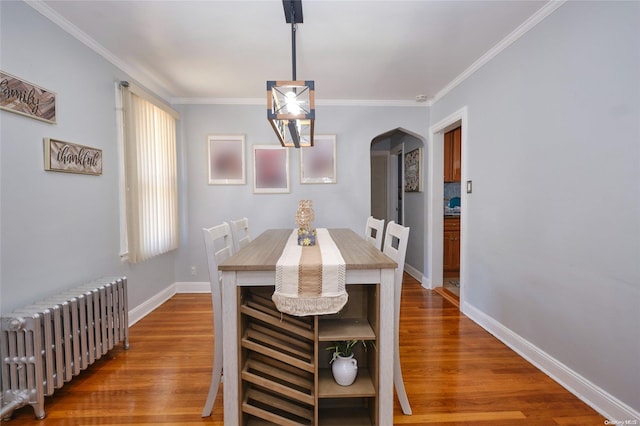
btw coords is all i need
(145, 308)
(601, 401)
(427, 283)
(412, 271)
(424, 281)
(193, 287)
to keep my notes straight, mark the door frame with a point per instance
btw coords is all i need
(396, 187)
(435, 202)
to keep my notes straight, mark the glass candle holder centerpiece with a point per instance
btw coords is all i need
(304, 217)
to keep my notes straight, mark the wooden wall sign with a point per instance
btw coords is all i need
(24, 98)
(68, 157)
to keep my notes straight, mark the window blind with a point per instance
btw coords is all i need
(150, 170)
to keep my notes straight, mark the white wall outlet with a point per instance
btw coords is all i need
(193, 271)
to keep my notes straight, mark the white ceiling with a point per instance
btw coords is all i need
(375, 51)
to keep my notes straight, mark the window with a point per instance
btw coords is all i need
(149, 184)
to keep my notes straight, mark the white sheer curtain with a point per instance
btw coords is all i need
(150, 169)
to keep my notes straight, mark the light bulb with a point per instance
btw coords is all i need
(292, 103)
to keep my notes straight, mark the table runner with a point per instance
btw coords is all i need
(310, 280)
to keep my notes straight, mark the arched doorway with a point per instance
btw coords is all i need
(391, 200)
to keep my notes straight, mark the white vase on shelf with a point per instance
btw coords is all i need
(345, 370)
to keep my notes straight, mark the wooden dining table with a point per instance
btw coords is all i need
(255, 265)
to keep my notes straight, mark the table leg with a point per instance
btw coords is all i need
(386, 342)
(230, 350)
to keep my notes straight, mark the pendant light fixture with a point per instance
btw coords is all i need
(291, 104)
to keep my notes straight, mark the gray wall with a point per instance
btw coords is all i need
(59, 229)
(553, 248)
(344, 204)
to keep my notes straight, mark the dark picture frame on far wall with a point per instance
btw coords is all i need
(413, 171)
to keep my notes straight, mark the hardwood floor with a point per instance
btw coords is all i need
(455, 373)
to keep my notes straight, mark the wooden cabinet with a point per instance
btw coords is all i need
(285, 374)
(451, 247)
(453, 155)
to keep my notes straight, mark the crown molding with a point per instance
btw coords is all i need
(531, 22)
(372, 102)
(321, 102)
(149, 81)
(219, 101)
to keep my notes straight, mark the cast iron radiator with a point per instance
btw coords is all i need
(44, 345)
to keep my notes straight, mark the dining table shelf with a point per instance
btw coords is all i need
(362, 387)
(343, 329)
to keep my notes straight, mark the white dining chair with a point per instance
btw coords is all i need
(240, 233)
(395, 246)
(373, 231)
(218, 244)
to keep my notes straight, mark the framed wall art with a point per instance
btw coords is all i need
(226, 159)
(318, 163)
(68, 157)
(21, 97)
(413, 171)
(270, 169)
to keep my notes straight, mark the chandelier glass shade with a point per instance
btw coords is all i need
(291, 111)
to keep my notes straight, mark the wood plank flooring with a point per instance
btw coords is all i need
(455, 374)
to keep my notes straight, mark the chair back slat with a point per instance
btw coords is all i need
(374, 231)
(395, 246)
(240, 233)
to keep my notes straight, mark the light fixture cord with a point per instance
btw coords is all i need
(293, 42)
